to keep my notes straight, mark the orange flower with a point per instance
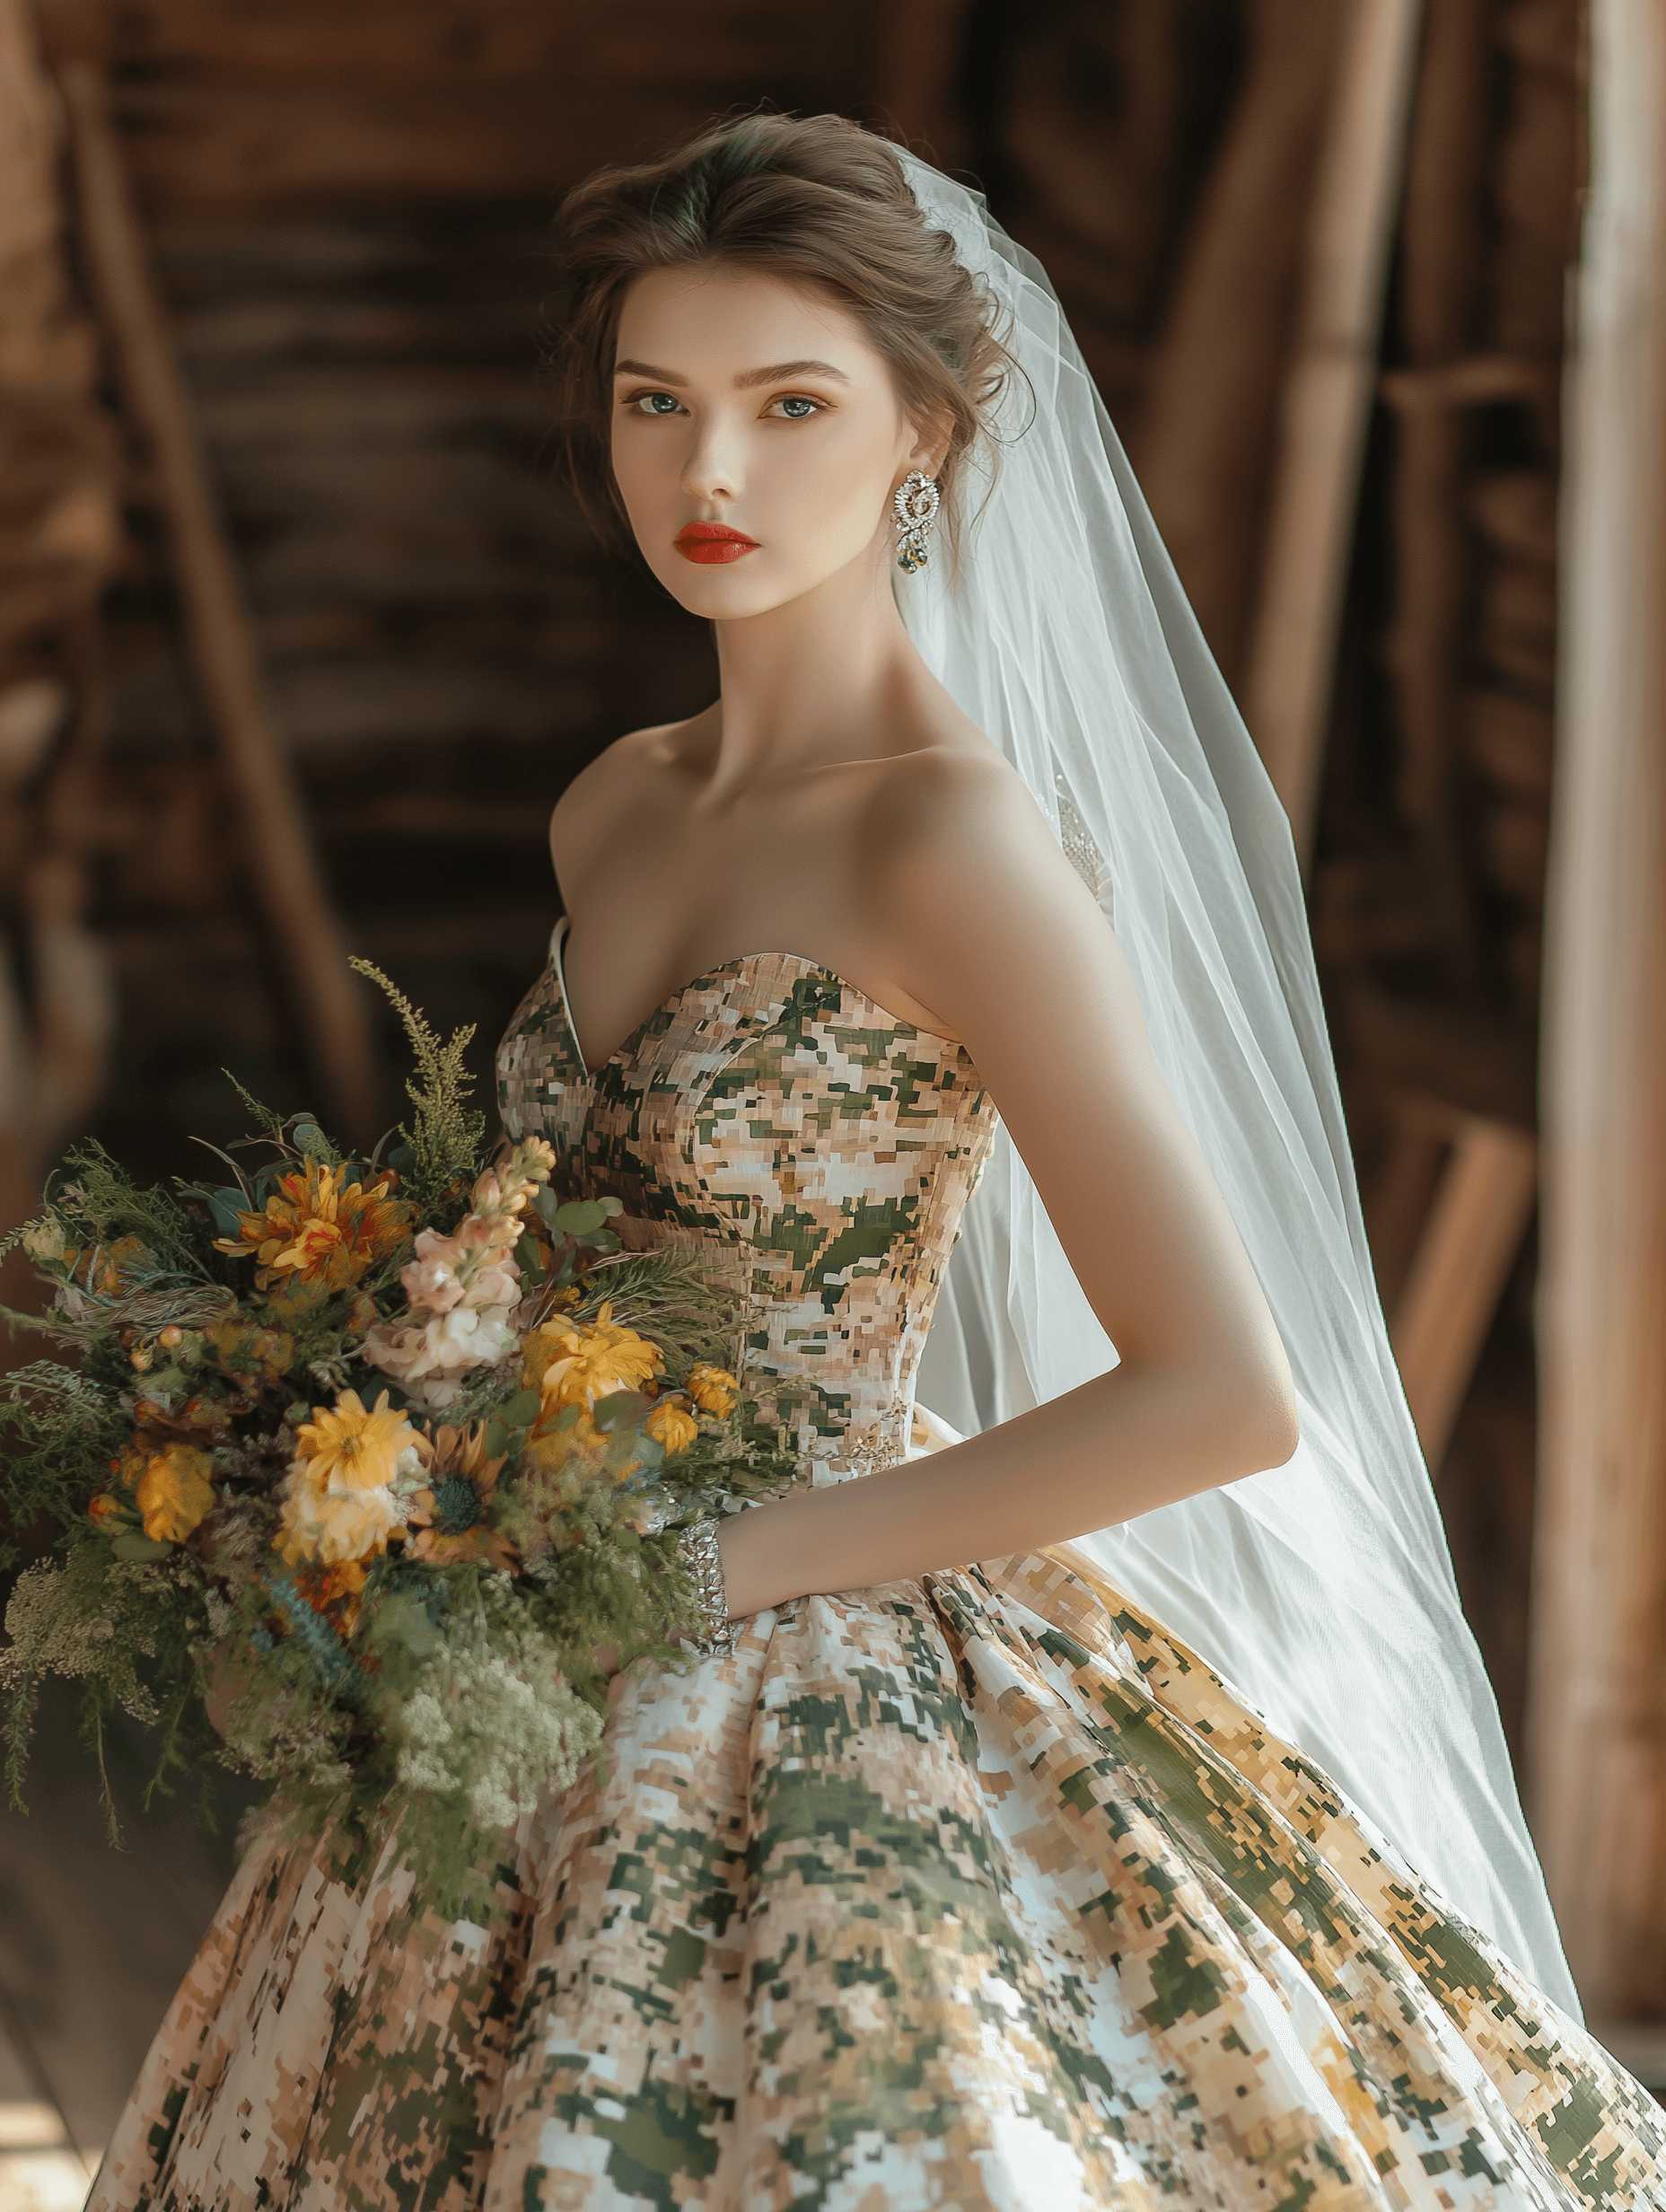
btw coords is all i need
(671, 1428)
(105, 1511)
(333, 1590)
(319, 1230)
(174, 1493)
(712, 1388)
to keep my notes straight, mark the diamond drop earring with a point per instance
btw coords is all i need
(916, 508)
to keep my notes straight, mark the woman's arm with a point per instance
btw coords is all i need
(1002, 940)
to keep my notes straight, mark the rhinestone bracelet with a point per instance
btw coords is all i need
(704, 1559)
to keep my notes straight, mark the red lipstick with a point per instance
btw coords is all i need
(712, 543)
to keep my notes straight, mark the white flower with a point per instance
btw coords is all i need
(426, 1357)
(498, 1724)
(44, 1240)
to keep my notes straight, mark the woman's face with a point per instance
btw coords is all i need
(757, 438)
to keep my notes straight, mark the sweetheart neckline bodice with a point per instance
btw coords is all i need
(737, 962)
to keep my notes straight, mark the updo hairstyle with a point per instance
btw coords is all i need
(816, 201)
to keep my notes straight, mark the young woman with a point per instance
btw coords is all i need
(946, 1874)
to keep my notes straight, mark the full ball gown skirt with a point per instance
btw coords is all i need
(975, 1891)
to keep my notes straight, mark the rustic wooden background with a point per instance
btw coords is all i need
(345, 209)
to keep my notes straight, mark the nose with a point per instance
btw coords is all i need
(713, 469)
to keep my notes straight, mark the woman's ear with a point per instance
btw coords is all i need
(931, 447)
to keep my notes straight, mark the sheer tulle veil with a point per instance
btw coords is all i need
(1323, 1590)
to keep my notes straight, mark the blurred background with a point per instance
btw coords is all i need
(300, 641)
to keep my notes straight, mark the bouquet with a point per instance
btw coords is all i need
(363, 1467)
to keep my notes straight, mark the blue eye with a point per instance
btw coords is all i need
(796, 408)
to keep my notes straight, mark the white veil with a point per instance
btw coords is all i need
(1322, 1590)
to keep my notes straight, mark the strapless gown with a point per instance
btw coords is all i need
(975, 1891)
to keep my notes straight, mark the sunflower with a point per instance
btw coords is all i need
(450, 1518)
(320, 1230)
(575, 1363)
(349, 1448)
(174, 1493)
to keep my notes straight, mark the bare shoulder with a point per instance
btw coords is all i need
(613, 788)
(955, 826)
(970, 885)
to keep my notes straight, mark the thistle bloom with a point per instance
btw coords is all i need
(174, 1493)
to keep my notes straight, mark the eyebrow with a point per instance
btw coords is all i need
(778, 371)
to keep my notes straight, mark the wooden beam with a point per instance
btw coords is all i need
(1597, 1721)
(1327, 405)
(283, 861)
(1481, 1209)
(1216, 371)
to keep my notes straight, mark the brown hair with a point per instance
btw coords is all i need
(815, 200)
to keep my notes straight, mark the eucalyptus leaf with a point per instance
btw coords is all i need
(619, 1405)
(521, 1410)
(528, 1258)
(135, 1549)
(583, 1216)
(497, 1440)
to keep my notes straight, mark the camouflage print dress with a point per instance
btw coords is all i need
(978, 1891)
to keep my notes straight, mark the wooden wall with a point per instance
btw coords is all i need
(348, 208)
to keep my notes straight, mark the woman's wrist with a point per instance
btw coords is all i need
(750, 1545)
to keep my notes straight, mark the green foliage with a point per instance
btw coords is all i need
(264, 1119)
(59, 1429)
(445, 1137)
(99, 1203)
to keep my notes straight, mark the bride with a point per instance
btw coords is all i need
(1106, 1809)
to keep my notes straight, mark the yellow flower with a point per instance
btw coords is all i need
(104, 1511)
(712, 1388)
(349, 1448)
(575, 1363)
(450, 1517)
(175, 1494)
(319, 1229)
(671, 1427)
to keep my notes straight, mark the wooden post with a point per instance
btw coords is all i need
(283, 861)
(1482, 1206)
(1597, 1724)
(1215, 373)
(1327, 405)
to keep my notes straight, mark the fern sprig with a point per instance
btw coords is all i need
(445, 1135)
